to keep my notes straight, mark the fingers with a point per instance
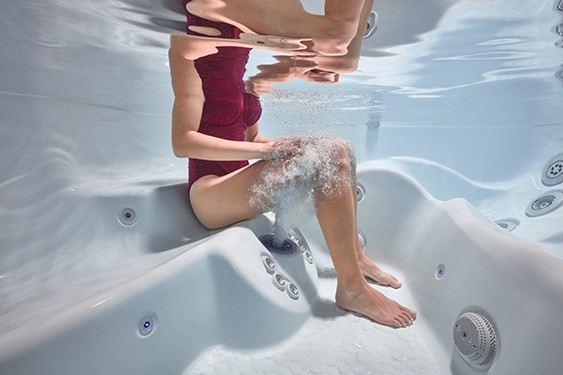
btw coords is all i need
(284, 147)
(320, 76)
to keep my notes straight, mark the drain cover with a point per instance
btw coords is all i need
(475, 340)
(553, 172)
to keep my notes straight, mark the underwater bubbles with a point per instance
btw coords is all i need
(301, 173)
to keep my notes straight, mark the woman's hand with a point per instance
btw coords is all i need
(283, 147)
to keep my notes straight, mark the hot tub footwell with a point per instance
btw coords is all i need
(222, 303)
(335, 342)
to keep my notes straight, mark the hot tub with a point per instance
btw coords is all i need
(455, 115)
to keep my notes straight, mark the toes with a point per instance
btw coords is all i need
(384, 281)
(397, 324)
(402, 321)
(411, 315)
(408, 319)
(408, 316)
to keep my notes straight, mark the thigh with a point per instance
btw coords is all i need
(221, 201)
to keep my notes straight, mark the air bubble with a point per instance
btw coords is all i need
(293, 187)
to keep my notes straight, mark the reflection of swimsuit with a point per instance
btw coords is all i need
(228, 109)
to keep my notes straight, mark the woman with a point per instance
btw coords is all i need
(330, 33)
(215, 125)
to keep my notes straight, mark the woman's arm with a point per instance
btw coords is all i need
(186, 116)
(252, 135)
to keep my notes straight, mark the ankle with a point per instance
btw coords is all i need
(351, 288)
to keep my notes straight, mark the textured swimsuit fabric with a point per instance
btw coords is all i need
(228, 109)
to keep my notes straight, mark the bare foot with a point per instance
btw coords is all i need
(371, 271)
(372, 304)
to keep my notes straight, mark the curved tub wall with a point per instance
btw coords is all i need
(514, 283)
(81, 149)
(73, 121)
(463, 96)
(69, 119)
(217, 293)
(455, 260)
(73, 135)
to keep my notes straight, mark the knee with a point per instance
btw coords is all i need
(343, 156)
(338, 172)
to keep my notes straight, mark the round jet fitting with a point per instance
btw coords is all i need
(308, 256)
(360, 192)
(279, 281)
(508, 224)
(269, 264)
(127, 216)
(147, 325)
(440, 271)
(545, 204)
(292, 291)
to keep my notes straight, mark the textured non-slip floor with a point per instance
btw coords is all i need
(332, 342)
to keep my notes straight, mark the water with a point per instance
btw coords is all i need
(84, 97)
(466, 99)
(301, 174)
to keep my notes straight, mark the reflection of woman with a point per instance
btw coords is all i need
(331, 33)
(287, 68)
(214, 124)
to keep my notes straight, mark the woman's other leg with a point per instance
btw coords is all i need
(368, 268)
(336, 215)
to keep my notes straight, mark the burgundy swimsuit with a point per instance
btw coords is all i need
(228, 108)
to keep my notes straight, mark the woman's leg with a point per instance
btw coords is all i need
(353, 292)
(368, 268)
(331, 32)
(221, 201)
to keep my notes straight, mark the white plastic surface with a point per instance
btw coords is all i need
(452, 99)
